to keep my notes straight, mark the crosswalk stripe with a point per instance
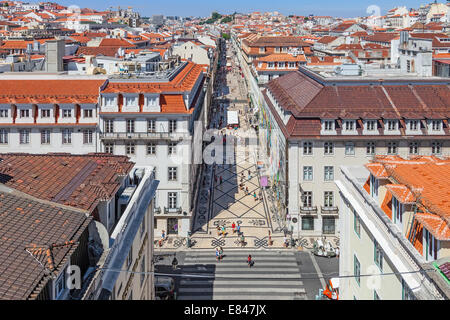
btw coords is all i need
(218, 290)
(248, 282)
(273, 276)
(227, 263)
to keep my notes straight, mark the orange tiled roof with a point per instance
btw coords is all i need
(401, 193)
(282, 57)
(49, 91)
(184, 81)
(435, 224)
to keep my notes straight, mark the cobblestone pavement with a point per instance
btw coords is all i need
(221, 200)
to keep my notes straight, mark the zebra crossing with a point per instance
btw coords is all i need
(275, 275)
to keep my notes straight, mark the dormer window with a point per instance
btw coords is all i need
(436, 125)
(349, 125)
(24, 113)
(109, 101)
(291, 65)
(329, 125)
(131, 101)
(392, 125)
(413, 125)
(45, 113)
(262, 49)
(270, 65)
(371, 125)
(66, 113)
(3, 113)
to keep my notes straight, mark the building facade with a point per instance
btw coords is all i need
(395, 236)
(310, 125)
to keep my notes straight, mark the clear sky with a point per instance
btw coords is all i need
(203, 8)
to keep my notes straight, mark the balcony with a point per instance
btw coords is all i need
(143, 135)
(329, 210)
(178, 210)
(308, 210)
(157, 210)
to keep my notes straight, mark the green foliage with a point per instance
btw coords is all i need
(226, 36)
(216, 16)
(226, 19)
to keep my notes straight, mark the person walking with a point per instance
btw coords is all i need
(217, 254)
(220, 253)
(238, 228)
(242, 240)
(246, 190)
(223, 230)
(249, 261)
(233, 227)
(174, 263)
(220, 179)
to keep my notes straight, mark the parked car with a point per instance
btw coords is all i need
(164, 288)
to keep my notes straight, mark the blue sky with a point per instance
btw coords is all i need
(204, 7)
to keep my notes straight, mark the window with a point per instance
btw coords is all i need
(356, 269)
(66, 113)
(307, 199)
(142, 269)
(413, 125)
(130, 148)
(392, 125)
(109, 101)
(4, 136)
(45, 113)
(24, 136)
(370, 125)
(328, 225)
(24, 113)
(45, 137)
(349, 125)
(172, 126)
(130, 125)
(413, 148)
(378, 255)
(60, 284)
(307, 223)
(262, 49)
(328, 173)
(4, 113)
(291, 65)
(172, 148)
(307, 173)
(88, 113)
(307, 148)
(349, 148)
(328, 148)
(270, 65)
(131, 101)
(436, 125)
(356, 223)
(370, 148)
(328, 199)
(130, 257)
(436, 148)
(87, 137)
(151, 125)
(172, 200)
(172, 174)
(109, 148)
(392, 148)
(67, 136)
(329, 125)
(407, 292)
(109, 126)
(151, 148)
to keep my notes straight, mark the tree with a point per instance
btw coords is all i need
(216, 16)
(226, 36)
(226, 20)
